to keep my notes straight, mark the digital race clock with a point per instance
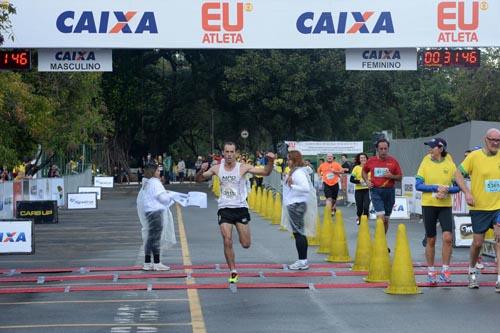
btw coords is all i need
(15, 60)
(437, 58)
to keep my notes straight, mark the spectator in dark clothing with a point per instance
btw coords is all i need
(346, 164)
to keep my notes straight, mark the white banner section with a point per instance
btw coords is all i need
(381, 59)
(462, 235)
(324, 147)
(105, 182)
(75, 60)
(267, 24)
(82, 200)
(16, 237)
(90, 189)
(400, 210)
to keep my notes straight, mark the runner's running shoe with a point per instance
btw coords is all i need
(299, 265)
(233, 278)
(497, 287)
(431, 277)
(148, 266)
(445, 277)
(160, 267)
(473, 284)
(479, 264)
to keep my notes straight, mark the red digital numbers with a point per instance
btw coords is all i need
(451, 58)
(15, 60)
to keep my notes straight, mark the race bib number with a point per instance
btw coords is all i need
(379, 172)
(492, 185)
(229, 193)
(330, 176)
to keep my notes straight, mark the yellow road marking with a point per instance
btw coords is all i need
(99, 301)
(194, 300)
(95, 325)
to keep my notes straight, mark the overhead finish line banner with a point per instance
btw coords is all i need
(267, 24)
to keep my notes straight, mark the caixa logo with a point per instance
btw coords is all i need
(458, 21)
(12, 237)
(107, 22)
(368, 22)
(223, 22)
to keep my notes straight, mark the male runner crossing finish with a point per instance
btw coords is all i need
(483, 198)
(232, 203)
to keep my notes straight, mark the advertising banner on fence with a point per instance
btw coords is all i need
(75, 60)
(39, 211)
(6, 200)
(16, 237)
(57, 191)
(82, 200)
(104, 182)
(323, 147)
(90, 189)
(267, 24)
(462, 233)
(381, 59)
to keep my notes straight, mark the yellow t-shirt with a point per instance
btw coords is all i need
(484, 172)
(357, 173)
(436, 173)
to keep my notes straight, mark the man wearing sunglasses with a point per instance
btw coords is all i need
(483, 198)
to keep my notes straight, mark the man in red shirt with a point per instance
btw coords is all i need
(329, 172)
(384, 170)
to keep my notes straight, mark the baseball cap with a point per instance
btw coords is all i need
(436, 142)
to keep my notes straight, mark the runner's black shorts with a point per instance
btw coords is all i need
(482, 220)
(234, 215)
(432, 214)
(331, 191)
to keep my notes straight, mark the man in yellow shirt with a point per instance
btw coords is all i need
(483, 198)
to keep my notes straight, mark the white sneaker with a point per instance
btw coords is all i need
(148, 266)
(161, 267)
(299, 265)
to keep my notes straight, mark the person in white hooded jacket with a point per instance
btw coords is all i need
(153, 204)
(300, 207)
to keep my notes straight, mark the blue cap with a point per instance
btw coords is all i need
(436, 142)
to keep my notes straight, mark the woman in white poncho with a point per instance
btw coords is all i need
(299, 207)
(153, 204)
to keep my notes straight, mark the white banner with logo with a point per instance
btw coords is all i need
(400, 210)
(90, 189)
(75, 60)
(253, 24)
(324, 147)
(104, 182)
(82, 200)
(16, 237)
(462, 234)
(381, 59)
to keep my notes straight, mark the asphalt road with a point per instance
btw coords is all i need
(102, 250)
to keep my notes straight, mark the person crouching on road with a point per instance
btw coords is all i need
(299, 207)
(153, 204)
(435, 178)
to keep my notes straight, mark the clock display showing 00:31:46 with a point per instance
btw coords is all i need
(451, 58)
(15, 60)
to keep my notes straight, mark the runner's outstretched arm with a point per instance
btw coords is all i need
(267, 170)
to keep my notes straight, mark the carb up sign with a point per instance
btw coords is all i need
(75, 60)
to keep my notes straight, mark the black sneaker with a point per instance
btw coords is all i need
(424, 241)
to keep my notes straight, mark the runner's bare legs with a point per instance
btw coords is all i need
(227, 236)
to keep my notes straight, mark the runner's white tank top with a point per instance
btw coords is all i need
(233, 190)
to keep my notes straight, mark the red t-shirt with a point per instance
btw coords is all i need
(377, 167)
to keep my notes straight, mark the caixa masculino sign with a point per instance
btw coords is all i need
(107, 22)
(38, 211)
